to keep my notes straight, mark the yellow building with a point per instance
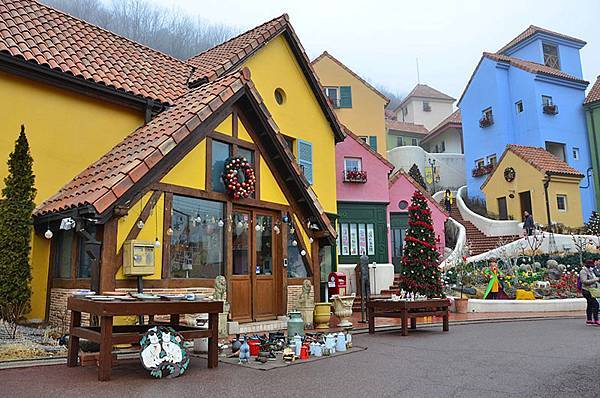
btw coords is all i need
(171, 130)
(357, 104)
(532, 179)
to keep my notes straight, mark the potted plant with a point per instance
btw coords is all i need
(463, 277)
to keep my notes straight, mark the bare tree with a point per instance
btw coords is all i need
(167, 30)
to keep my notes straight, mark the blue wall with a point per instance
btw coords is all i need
(500, 86)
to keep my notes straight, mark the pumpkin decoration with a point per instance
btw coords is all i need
(238, 177)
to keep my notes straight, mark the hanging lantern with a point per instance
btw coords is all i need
(240, 224)
(303, 253)
(48, 234)
(257, 228)
(156, 243)
(311, 240)
(294, 243)
(140, 224)
(170, 231)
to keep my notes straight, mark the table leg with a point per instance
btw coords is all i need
(74, 340)
(446, 323)
(213, 340)
(371, 322)
(413, 323)
(404, 318)
(175, 319)
(105, 360)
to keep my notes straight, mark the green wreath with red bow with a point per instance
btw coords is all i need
(239, 177)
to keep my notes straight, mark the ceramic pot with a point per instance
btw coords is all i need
(461, 305)
(322, 315)
(295, 324)
(340, 342)
(342, 307)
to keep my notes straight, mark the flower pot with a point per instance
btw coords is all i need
(461, 305)
(322, 315)
(342, 307)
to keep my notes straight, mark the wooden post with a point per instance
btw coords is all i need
(108, 260)
(213, 348)
(314, 255)
(105, 359)
(73, 345)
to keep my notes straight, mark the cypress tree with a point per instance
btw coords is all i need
(16, 207)
(416, 175)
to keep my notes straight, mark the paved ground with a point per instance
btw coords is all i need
(557, 358)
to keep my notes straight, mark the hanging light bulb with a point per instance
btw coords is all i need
(156, 243)
(257, 228)
(198, 219)
(140, 224)
(292, 230)
(240, 225)
(303, 253)
(311, 240)
(170, 231)
(48, 234)
(220, 223)
(276, 229)
(294, 243)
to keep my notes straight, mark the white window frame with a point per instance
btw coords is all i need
(566, 203)
(489, 158)
(519, 104)
(359, 160)
(480, 163)
(337, 95)
(575, 152)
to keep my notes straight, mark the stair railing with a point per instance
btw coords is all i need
(487, 226)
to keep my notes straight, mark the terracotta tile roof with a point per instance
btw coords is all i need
(390, 114)
(368, 147)
(106, 180)
(392, 124)
(533, 67)
(594, 94)
(363, 81)
(53, 39)
(532, 30)
(396, 176)
(452, 121)
(218, 60)
(424, 91)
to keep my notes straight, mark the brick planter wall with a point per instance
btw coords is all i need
(293, 295)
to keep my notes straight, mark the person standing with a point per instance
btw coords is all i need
(528, 224)
(448, 199)
(589, 282)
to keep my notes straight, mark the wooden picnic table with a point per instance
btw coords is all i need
(108, 335)
(405, 310)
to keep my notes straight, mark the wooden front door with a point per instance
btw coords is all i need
(502, 208)
(255, 269)
(525, 199)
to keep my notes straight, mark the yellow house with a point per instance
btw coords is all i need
(140, 157)
(532, 179)
(358, 105)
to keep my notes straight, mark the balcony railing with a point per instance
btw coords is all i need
(355, 176)
(486, 121)
(550, 109)
(483, 170)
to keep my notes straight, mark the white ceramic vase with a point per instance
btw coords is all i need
(342, 308)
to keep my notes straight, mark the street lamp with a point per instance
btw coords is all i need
(434, 177)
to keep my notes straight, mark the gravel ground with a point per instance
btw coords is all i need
(557, 358)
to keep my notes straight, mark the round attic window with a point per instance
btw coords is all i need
(279, 96)
(403, 205)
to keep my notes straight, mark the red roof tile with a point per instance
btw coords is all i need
(452, 121)
(218, 60)
(594, 94)
(363, 81)
(392, 124)
(532, 30)
(424, 91)
(533, 67)
(50, 38)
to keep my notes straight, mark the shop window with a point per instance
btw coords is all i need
(297, 266)
(357, 239)
(197, 240)
(561, 202)
(220, 151)
(64, 243)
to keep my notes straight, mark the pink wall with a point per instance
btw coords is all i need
(403, 189)
(376, 187)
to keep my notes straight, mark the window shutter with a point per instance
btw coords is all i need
(345, 97)
(305, 159)
(373, 142)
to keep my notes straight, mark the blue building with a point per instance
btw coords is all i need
(530, 92)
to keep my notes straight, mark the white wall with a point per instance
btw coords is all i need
(451, 165)
(439, 111)
(452, 142)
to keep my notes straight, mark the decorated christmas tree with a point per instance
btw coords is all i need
(416, 175)
(420, 272)
(593, 226)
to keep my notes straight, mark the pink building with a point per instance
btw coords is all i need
(373, 206)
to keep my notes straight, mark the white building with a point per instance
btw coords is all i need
(446, 137)
(425, 105)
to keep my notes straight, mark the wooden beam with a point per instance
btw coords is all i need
(108, 261)
(317, 270)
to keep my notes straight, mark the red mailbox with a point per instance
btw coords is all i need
(336, 282)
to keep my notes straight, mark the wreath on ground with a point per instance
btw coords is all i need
(238, 177)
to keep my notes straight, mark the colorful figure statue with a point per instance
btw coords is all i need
(494, 284)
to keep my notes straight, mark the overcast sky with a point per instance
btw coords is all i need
(381, 40)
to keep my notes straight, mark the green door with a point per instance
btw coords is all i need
(398, 227)
(362, 229)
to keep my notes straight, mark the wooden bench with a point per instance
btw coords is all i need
(406, 310)
(108, 335)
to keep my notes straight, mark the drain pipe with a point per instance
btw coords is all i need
(546, 184)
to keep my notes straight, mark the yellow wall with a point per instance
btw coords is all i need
(528, 178)
(367, 115)
(300, 116)
(191, 170)
(66, 131)
(152, 229)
